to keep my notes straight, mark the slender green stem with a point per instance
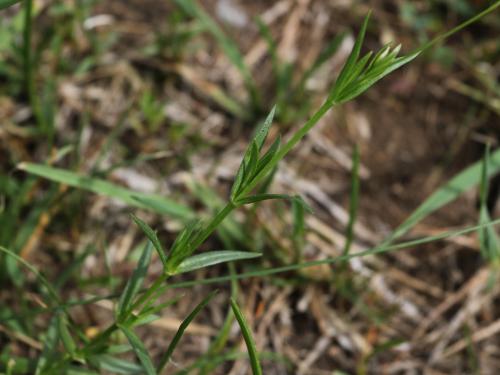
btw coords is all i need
(299, 266)
(353, 201)
(29, 75)
(296, 138)
(456, 29)
(27, 58)
(149, 292)
(212, 225)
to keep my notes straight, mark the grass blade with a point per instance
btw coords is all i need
(488, 239)
(151, 235)
(152, 202)
(115, 365)
(50, 344)
(50, 290)
(247, 335)
(211, 258)
(178, 335)
(134, 283)
(459, 184)
(65, 335)
(353, 201)
(139, 350)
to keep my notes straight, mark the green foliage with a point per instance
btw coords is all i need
(64, 344)
(211, 258)
(152, 202)
(249, 341)
(180, 332)
(488, 239)
(135, 283)
(151, 235)
(139, 349)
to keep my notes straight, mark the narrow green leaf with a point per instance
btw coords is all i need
(65, 335)
(182, 247)
(351, 60)
(261, 134)
(450, 191)
(357, 69)
(488, 239)
(252, 161)
(269, 154)
(263, 197)
(148, 309)
(7, 3)
(115, 365)
(178, 335)
(353, 200)
(51, 292)
(139, 349)
(50, 350)
(135, 282)
(152, 202)
(211, 258)
(151, 234)
(249, 341)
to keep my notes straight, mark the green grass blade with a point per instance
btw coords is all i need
(7, 3)
(178, 335)
(115, 365)
(139, 350)
(50, 290)
(134, 284)
(65, 335)
(247, 335)
(353, 201)
(458, 185)
(151, 235)
(488, 239)
(456, 29)
(211, 258)
(152, 202)
(50, 343)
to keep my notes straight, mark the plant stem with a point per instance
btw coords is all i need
(28, 68)
(212, 225)
(29, 76)
(456, 29)
(296, 138)
(150, 292)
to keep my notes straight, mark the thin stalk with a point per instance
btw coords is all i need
(212, 225)
(27, 56)
(296, 138)
(299, 266)
(456, 29)
(353, 201)
(29, 78)
(29, 74)
(149, 292)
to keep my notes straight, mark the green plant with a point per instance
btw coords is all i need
(138, 305)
